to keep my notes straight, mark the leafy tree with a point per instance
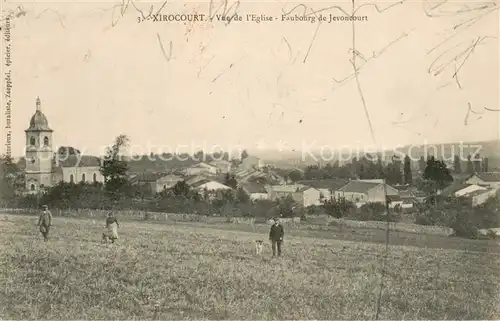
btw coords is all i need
(470, 166)
(393, 172)
(221, 198)
(81, 195)
(457, 166)
(230, 181)
(398, 175)
(379, 169)
(477, 163)
(407, 170)
(181, 188)
(9, 172)
(313, 172)
(374, 212)
(199, 155)
(338, 207)
(244, 154)
(114, 169)
(437, 172)
(422, 163)
(241, 196)
(285, 207)
(67, 150)
(485, 164)
(366, 168)
(295, 175)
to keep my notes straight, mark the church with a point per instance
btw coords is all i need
(44, 168)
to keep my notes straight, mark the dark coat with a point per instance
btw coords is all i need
(45, 219)
(276, 233)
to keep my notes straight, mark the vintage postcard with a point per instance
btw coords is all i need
(243, 159)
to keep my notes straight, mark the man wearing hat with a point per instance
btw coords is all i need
(44, 222)
(276, 236)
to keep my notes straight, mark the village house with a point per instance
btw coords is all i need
(362, 192)
(469, 189)
(245, 175)
(327, 187)
(223, 166)
(282, 191)
(409, 195)
(250, 162)
(269, 176)
(77, 168)
(154, 183)
(396, 200)
(301, 194)
(213, 188)
(44, 168)
(477, 194)
(491, 179)
(194, 179)
(200, 168)
(454, 187)
(481, 197)
(307, 196)
(255, 191)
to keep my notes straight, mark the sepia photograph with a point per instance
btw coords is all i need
(250, 160)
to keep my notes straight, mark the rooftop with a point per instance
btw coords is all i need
(394, 198)
(148, 177)
(489, 176)
(252, 187)
(77, 161)
(333, 184)
(453, 188)
(38, 121)
(358, 187)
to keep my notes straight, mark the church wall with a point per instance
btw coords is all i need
(57, 176)
(77, 173)
(39, 161)
(38, 180)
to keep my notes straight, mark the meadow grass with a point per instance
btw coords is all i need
(193, 271)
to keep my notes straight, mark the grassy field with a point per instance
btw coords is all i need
(191, 271)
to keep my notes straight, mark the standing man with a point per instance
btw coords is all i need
(276, 236)
(45, 222)
(112, 226)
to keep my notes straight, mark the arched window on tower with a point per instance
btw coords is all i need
(32, 141)
(94, 178)
(71, 180)
(46, 141)
(32, 187)
(83, 177)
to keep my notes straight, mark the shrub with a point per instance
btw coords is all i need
(432, 216)
(339, 207)
(458, 214)
(464, 223)
(375, 212)
(422, 219)
(315, 209)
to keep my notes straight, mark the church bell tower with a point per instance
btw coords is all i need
(38, 154)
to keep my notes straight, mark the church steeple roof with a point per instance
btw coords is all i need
(38, 121)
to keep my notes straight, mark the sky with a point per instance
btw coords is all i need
(100, 74)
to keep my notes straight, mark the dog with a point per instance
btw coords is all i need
(259, 245)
